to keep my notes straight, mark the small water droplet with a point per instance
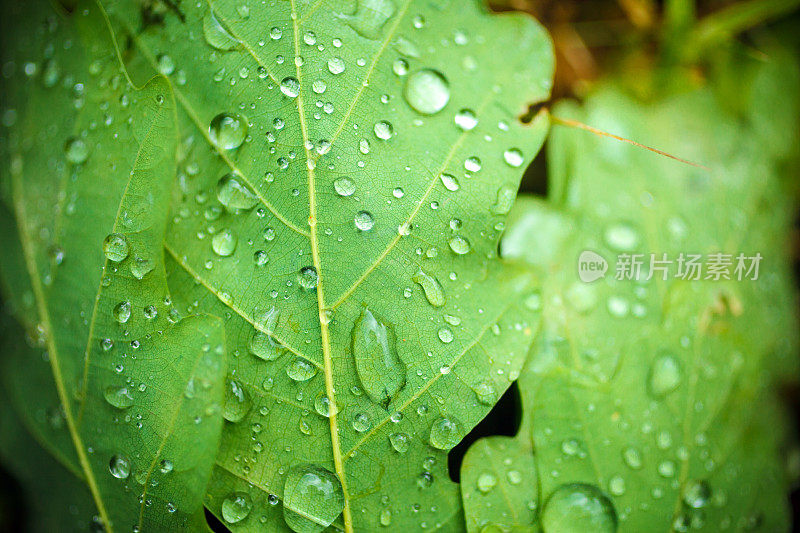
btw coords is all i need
(236, 507)
(400, 442)
(115, 247)
(119, 466)
(344, 186)
(383, 130)
(364, 220)
(234, 193)
(119, 397)
(224, 242)
(486, 482)
(237, 401)
(460, 245)
(76, 150)
(664, 376)
(466, 119)
(308, 278)
(301, 369)
(290, 87)
(450, 182)
(513, 156)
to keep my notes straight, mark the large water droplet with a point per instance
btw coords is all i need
(324, 406)
(228, 130)
(234, 193)
(344, 186)
(370, 17)
(263, 345)
(224, 242)
(76, 150)
(119, 397)
(237, 401)
(450, 182)
(236, 507)
(380, 371)
(577, 508)
(446, 432)
(364, 220)
(216, 35)
(301, 369)
(119, 466)
(431, 287)
(427, 91)
(466, 119)
(115, 247)
(383, 130)
(313, 498)
(290, 87)
(664, 376)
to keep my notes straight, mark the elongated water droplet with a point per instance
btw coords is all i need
(664, 376)
(217, 36)
(224, 242)
(324, 406)
(234, 193)
(115, 247)
(380, 371)
(263, 345)
(427, 91)
(370, 17)
(450, 182)
(313, 498)
(504, 201)
(459, 244)
(577, 508)
(446, 432)
(228, 130)
(431, 287)
(236, 507)
(237, 401)
(119, 397)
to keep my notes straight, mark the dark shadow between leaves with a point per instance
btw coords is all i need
(504, 419)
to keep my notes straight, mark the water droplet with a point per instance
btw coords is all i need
(425, 480)
(427, 91)
(383, 130)
(445, 335)
(324, 406)
(361, 422)
(140, 267)
(165, 64)
(621, 237)
(400, 442)
(450, 182)
(301, 369)
(364, 220)
(505, 199)
(236, 507)
(380, 371)
(513, 156)
(228, 130)
(119, 397)
(385, 518)
(313, 498)
(486, 393)
(122, 312)
(76, 151)
(486, 482)
(237, 401)
(344, 186)
(664, 376)
(224, 242)
(696, 494)
(165, 466)
(473, 164)
(632, 458)
(460, 245)
(308, 278)
(119, 466)
(576, 508)
(616, 486)
(336, 65)
(446, 433)
(234, 193)
(370, 17)
(115, 247)
(400, 66)
(216, 35)
(290, 87)
(466, 119)
(431, 287)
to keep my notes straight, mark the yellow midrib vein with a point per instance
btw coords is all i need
(324, 332)
(44, 315)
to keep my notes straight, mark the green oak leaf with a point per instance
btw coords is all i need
(342, 176)
(116, 385)
(651, 405)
